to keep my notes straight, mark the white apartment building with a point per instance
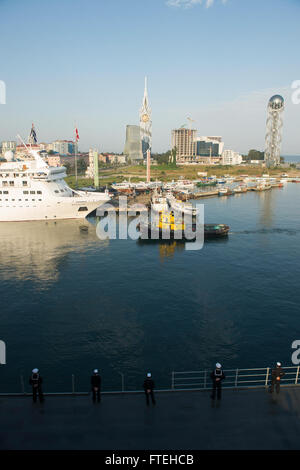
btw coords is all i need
(8, 145)
(229, 157)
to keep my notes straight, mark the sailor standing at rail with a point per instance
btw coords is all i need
(36, 381)
(276, 377)
(217, 376)
(96, 385)
(149, 387)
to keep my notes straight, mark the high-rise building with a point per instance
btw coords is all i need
(184, 142)
(133, 143)
(210, 146)
(65, 147)
(145, 123)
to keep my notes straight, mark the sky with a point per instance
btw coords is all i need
(83, 62)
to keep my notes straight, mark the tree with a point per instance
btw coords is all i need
(81, 165)
(173, 156)
(255, 155)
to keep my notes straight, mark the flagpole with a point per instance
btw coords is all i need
(75, 150)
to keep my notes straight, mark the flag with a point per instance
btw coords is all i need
(33, 135)
(76, 134)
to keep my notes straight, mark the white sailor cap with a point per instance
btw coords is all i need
(278, 364)
(35, 371)
(149, 374)
(218, 365)
(96, 371)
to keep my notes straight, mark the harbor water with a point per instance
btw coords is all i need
(71, 302)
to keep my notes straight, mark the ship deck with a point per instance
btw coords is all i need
(244, 419)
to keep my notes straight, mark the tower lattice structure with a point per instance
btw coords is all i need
(274, 131)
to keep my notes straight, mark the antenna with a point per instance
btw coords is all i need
(22, 141)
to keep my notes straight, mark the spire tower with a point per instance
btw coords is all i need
(145, 122)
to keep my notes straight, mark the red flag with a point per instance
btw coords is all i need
(76, 134)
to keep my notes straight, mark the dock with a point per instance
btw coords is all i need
(183, 420)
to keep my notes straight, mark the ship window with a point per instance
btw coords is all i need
(11, 183)
(5, 192)
(39, 192)
(32, 192)
(25, 192)
(26, 199)
(0, 192)
(24, 183)
(4, 183)
(33, 199)
(20, 199)
(56, 191)
(82, 209)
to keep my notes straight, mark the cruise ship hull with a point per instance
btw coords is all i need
(72, 209)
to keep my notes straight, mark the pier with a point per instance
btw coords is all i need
(244, 419)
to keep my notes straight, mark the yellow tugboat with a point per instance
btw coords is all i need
(167, 226)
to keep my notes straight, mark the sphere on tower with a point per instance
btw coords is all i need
(276, 102)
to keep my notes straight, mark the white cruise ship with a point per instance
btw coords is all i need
(32, 190)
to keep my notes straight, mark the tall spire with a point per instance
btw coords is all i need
(145, 93)
(145, 105)
(145, 122)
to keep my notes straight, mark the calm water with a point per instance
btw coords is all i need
(70, 302)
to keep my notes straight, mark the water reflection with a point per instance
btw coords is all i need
(35, 250)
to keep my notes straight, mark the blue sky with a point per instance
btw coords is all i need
(84, 61)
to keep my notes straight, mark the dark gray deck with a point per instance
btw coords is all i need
(245, 419)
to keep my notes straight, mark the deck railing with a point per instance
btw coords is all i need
(188, 381)
(235, 378)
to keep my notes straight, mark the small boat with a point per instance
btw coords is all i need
(184, 185)
(262, 187)
(124, 187)
(237, 189)
(240, 189)
(225, 192)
